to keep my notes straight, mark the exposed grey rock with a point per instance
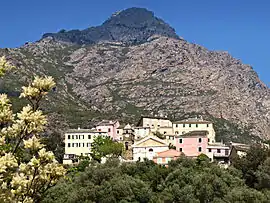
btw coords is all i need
(116, 77)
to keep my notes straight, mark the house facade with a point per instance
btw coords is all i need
(193, 143)
(154, 123)
(219, 153)
(141, 132)
(110, 127)
(78, 143)
(194, 124)
(148, 147)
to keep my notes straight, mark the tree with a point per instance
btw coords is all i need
(102, 147)
(249, 164)
(27, 170)
(263, 175)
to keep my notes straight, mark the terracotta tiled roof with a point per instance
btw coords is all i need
(196, 133)
(169, 153)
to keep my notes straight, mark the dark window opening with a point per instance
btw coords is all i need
(199, 149)
(180, 141)
(200, 140)
(126, 145)
(218, 150)
(209, 150)
(68, 136)
(180, 149)
(151, 150)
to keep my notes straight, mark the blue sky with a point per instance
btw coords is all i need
(241, 27)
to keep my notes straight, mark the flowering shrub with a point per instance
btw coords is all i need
(27, 170)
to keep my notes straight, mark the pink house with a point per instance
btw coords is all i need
(192, 143)
(110, 127)
(164, 157)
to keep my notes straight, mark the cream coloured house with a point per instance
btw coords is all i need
(148, 147)
(78, 143)
(154, 123)
(141, 132)
(194, 124)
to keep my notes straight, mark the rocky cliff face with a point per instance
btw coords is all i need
(131, 26)
(135, 64)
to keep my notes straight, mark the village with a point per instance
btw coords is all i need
(155, 138)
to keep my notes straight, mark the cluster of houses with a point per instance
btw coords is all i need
(154, 138)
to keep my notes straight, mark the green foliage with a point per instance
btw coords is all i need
(159, 135)
(102, 147)
(250, 163)
(185, 180)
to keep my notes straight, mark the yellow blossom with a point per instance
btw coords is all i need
(4, 66)
(32, 143)
(30, 92)
(35, 120)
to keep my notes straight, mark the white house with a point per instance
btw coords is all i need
(148, 147)
(78, 143)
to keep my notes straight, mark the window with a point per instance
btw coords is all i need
(126, 145)
(158, 125)
(184, 125)
(82, 144)
(199, 149)
(73, 137)
(165, 132)
(176, 125)
(83, 137)
(200, 140)
(180, 149)
(218, 150)
(159, 160)
(196, 125)
(79, 145)
(126, 131)
(226, 152)
(209, 150)
(208, 140)
(89, 137)
(180, 140)
(73, 145)
(207, 125)
(190, 125)
(176, 132)
(109, 129)
(117, 131)
(68, 144)
(68, 136)
(151, 150)
(76, 136)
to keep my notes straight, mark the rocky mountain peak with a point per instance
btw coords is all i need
(130, 26)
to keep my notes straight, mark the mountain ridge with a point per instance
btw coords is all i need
(130, 26)
(157, 73)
